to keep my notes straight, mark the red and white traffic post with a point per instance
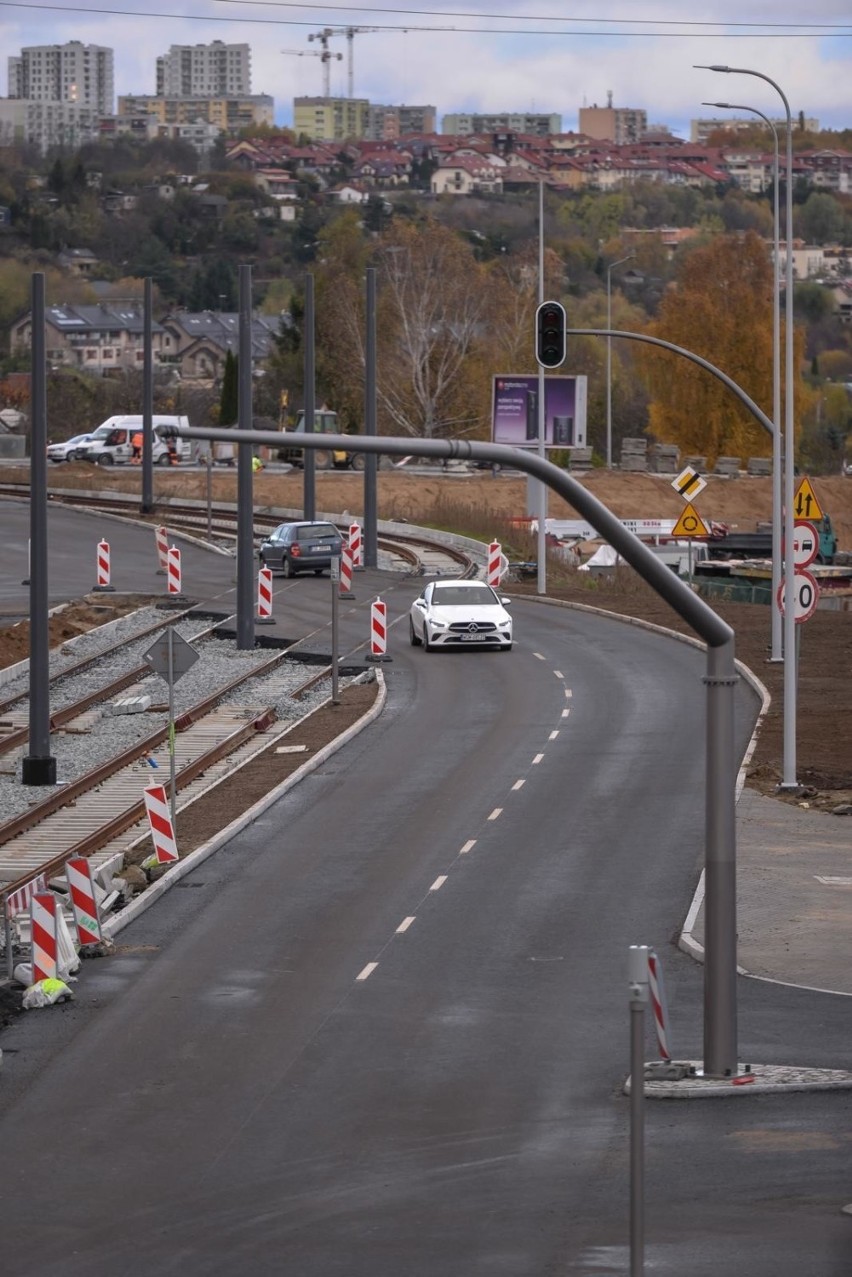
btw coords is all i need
(378, 632)
(161, 538)
(356, 546)
(173, 579)
(44, 936)
(103, 567)
(658, 1005)
(345, 582)
(264, 597)
(81, 886)
(493, 570)
(160, 824)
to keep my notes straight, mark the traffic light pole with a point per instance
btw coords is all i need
(720, 968)
(541, 541)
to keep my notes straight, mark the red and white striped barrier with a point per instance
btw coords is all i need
(173, 570)
(356, 545)
(378, 631)
(44, 940)
(345, 584)
(160, 824)
(264, 597)
(19, 901)
(658, 1005)
(161, 538)
(493, 571)
(103, 566)
(81, 886)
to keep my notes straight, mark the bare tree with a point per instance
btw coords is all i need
(434, 298)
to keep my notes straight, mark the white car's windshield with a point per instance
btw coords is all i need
(462, 596)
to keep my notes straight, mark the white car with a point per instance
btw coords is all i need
(454, 614)
(66, 451)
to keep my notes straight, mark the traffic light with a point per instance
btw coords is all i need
(550, 334)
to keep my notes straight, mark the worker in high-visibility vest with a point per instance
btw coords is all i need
(256, 464)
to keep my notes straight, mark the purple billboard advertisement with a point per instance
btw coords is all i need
(514, 416)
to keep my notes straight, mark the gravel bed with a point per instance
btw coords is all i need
(218, 664)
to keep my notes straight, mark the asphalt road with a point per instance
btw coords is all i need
(385, 1031)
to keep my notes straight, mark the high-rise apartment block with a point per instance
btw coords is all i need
(609, 123)
(228, 114)
(385, 122)
(214, 70)
(536, 124)
(330, 119)
(77, 73)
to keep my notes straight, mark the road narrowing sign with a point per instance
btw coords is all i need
(690, 524)
(689, 483)
(805, 596)
(805, 504)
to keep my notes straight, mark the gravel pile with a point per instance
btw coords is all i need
(109, 734)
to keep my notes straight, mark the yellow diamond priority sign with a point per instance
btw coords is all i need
(689, 483)
(690, 524)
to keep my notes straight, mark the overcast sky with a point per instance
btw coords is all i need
(521, 56)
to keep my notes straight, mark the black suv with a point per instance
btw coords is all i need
(301, 547)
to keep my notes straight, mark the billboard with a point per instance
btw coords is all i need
(514, 411)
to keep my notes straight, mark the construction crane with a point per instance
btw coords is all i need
(350, 33)
(327, 57)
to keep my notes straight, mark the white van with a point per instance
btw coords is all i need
(111, 444)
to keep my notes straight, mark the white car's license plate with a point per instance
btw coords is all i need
(471, 638)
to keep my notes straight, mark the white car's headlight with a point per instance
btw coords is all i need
(436, 625)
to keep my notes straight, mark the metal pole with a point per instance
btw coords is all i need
(170, 647)
(147, 503)
(370, 531)
(209, 462)
(777, 648)
(541, 541)
(7, 932)
(38, 767)
(788, 780)
(245, 520)
(637, 974)
(335, 631)
(609, 270)
(720, 900)
(309, 500)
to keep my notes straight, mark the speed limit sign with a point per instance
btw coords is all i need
(805, 596)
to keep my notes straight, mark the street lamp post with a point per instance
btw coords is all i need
(777, 649)
(788, 779)
(609, 357)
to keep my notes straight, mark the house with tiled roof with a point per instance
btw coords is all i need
(199, 341)
(105, 339)
(466, 174)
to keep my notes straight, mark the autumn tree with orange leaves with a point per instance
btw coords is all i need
(720, 307)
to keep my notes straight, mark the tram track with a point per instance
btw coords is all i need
(100, 813)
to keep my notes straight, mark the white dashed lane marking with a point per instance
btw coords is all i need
(538, 656)
(471, 842)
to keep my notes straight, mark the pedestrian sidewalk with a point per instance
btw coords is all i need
(794, 895)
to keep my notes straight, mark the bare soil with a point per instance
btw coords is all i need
(482, 505)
